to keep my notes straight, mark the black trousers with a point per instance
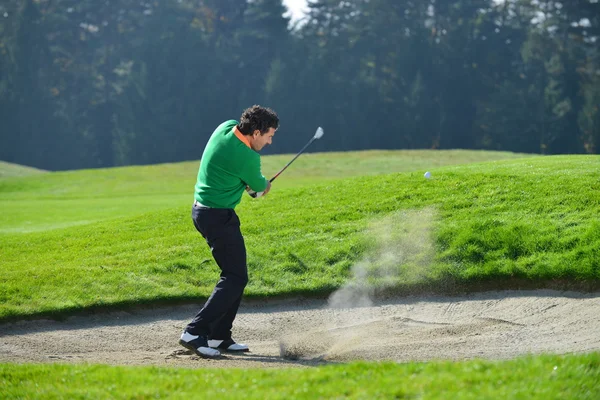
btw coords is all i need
(221, 229)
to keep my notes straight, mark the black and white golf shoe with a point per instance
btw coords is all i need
(227, 345)
(199, 345)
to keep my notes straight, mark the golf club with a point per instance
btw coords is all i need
(318, 135)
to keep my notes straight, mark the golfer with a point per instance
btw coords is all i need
(230, 164)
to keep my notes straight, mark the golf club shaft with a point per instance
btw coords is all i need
(318, 134)
(296, 156)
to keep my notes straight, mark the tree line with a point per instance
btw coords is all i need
(87, 83)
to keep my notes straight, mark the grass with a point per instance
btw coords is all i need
(543, 377)
(493, 223)
(81, 197)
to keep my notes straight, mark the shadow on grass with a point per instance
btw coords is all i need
(299, 265)
(265, 359)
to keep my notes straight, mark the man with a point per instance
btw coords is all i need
(230, 164)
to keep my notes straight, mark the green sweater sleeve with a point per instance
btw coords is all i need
(252, 175)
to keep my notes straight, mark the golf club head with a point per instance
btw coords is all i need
(319, 133)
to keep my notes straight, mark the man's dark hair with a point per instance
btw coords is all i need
(257, 117)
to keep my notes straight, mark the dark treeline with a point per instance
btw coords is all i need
(98, 83)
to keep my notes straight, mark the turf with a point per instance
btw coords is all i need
(543, 377)
(81, 197)
(531, 220)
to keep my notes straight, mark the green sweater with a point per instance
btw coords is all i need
(226, 167)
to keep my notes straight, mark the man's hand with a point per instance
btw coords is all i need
(267, 189)
(255, 195)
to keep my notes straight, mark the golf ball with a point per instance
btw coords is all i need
(427, 175)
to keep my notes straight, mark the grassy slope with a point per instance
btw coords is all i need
(534, 219)
(15, 170)
(543, 377)
(82, 197)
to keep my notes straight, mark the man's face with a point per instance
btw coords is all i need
(259, 141)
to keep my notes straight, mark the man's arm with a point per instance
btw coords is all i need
(253, 177)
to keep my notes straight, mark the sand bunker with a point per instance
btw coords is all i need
(492, 325)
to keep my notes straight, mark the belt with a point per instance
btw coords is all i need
(198, 204)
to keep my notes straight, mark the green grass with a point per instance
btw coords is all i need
(543, 377)
(81, 197)
(532, 220)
